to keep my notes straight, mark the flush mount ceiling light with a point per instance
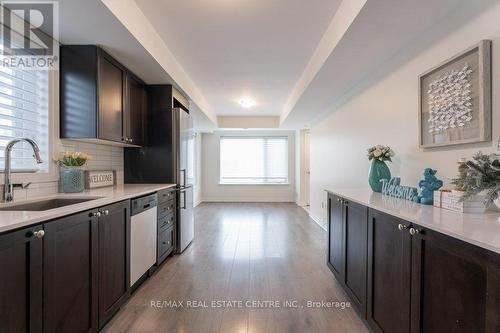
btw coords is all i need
(246, 102)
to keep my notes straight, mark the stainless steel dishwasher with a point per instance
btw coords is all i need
(142, 236)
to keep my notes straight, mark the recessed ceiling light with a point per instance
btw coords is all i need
(247, 102)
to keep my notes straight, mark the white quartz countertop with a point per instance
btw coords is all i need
(482, 230)
(10, 220)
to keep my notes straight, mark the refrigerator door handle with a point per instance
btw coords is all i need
(183, 201)
(183, 177)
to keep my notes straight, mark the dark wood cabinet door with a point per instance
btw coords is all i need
(356, 234)
(21, 281)
(389, 269)
(455, 285)
(134, 116)
(114, 258)
(110, 92)
(166, 239)
(336, 236)
(71, 274)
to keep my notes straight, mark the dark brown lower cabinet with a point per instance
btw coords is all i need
(336, 236)
(355, 246)
(21, 281)
(348, 232)
(165, 243)
(420, 280)
(389, 268)
(455, 285)
(70, 263)
(67, 275)
(114, 259)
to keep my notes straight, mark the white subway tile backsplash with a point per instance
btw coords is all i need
(103, 158)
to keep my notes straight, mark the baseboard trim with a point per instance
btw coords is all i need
(318, 221)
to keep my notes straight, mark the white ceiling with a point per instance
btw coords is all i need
(297, 58)
(384, 34)
(245, 48)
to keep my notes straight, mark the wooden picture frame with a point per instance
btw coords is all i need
(478, 127)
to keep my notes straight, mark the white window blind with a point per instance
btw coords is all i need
(24, 100)
(254, 160)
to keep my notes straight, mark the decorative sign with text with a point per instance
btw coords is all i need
(393, 188)
(95, 179)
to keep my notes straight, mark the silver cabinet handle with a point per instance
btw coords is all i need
(39, 234)
(106, 212)
(414, 231)
(402, 226)
(98, 214)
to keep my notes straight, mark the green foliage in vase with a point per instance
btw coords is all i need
(71, 159)
(381, 153)
(482, 175)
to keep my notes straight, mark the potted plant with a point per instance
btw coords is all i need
(72, 176)
(482, 176)
(379, 170)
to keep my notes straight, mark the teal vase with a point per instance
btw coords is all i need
(378, 171)
(72, 180)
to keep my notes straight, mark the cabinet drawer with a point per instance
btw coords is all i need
(165, 244)
(166, 195)
(166, 208)
(166, 222)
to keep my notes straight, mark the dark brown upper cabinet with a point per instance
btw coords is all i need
(101, 100)
(134, 116)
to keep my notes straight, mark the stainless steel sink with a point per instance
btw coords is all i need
(45, 204)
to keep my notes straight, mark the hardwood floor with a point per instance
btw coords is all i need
(241, 252)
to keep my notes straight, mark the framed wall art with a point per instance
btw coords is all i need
(455, 99)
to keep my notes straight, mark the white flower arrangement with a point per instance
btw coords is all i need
(381, 153)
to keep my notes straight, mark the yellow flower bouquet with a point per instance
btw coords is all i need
(71, 159)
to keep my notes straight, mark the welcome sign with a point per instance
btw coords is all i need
(393, 188)
(95, 179)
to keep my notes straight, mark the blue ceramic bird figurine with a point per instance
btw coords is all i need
(428, 185)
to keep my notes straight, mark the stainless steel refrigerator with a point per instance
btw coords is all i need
(184, 141)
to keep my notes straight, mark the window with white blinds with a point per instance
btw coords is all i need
(24, 106)
(254, 160)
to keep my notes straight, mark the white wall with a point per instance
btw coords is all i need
(386, 112)
(213, 191)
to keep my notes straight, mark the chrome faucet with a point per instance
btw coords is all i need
(8, 187)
